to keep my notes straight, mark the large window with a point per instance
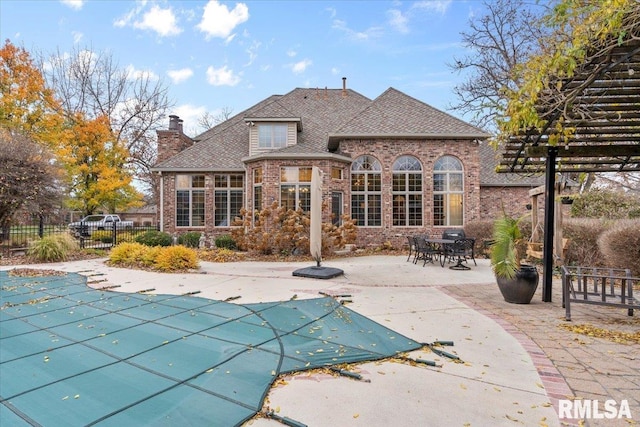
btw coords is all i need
(190, 200)
(448, 192)
(227, 198)
(366, 191)
(295, 188)
(407, 192)
(272, 135)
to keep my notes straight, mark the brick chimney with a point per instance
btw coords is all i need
(173, 140)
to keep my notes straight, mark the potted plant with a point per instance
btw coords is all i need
(517, 282)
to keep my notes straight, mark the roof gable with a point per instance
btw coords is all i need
(395, 113)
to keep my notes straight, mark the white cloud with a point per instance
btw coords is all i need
(73, 4)
(252, 51)
(335, 71)
(162, 21)
(130, 16)
(219, 21)
(222, 77)
(133, 73)
(179, 76)
(190, 115)
(77, 36)
(369, 33)
(439, 6)
(291, 53)
(398, 21)
(301, 66)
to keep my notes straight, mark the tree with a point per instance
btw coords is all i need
(27, 106)
(28, 178)
(134, 103)
(95, 162)
(207, 120)
(498, 43)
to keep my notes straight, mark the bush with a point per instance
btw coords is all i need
(276, 230)
(104, 236)
(172, 258)
(583, 234)
(482, 231)
(620, 245)
(155, 238)
(127, 253)
(225, 241)
(605, 204)
(190, 239)
(52, 248)
(176, 258)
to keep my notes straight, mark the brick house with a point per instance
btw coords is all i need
(394, 164)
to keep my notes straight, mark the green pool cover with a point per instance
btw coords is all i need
(71, 355)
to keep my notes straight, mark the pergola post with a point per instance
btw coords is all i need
(549, 217)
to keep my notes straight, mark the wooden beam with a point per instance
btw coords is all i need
(614, 150)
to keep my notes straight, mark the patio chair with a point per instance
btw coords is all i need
(424, 251)
(461, 250)
(412, 247)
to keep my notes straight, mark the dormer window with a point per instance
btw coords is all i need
(272, 135)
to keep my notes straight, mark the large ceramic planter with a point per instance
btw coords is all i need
(520, 289)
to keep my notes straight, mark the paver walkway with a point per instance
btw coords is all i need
(594, 368)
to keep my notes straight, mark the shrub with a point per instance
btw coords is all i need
(583, 234)
(276, 230)
(482, 231)
(172, 258)
(155, 238)
(605, 204)
(220, 255)
(225, 241)
(129, 254)
(190, 239)
(104, 236)
(175, 258)
(52, 248)
(620, 245)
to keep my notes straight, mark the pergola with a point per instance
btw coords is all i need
(592, 124)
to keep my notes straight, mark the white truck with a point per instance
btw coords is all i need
(87, 225)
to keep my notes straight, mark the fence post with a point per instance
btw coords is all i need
(41, 226)
(114, 235)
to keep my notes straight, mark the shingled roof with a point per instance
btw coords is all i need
(328, 116)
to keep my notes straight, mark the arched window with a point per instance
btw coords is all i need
(407, 192)
(366, 191)
(448, 191)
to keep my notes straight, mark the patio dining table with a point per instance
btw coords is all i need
(443, 248)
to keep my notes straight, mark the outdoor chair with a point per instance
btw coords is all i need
(412, 247)
(460, 251)
(424, 251)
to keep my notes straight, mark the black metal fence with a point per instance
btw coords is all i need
(15, 240)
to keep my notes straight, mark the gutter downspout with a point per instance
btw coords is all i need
(161, 201)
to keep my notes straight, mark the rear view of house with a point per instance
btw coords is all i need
(394, 164)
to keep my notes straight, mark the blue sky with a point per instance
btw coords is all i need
(215, 55)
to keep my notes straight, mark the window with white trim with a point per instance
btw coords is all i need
(366, 191)
(189, 200)
(272, 135)
(295, 188)
(407, 192)
(448, 192)
(227, 198)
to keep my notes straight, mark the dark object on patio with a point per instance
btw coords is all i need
(522, 287)
(460, 251)
(424, 251)
(601, 286)
(412, 247)
(318, 272)
(453, 234)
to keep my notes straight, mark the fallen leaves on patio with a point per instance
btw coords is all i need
(607, 334)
